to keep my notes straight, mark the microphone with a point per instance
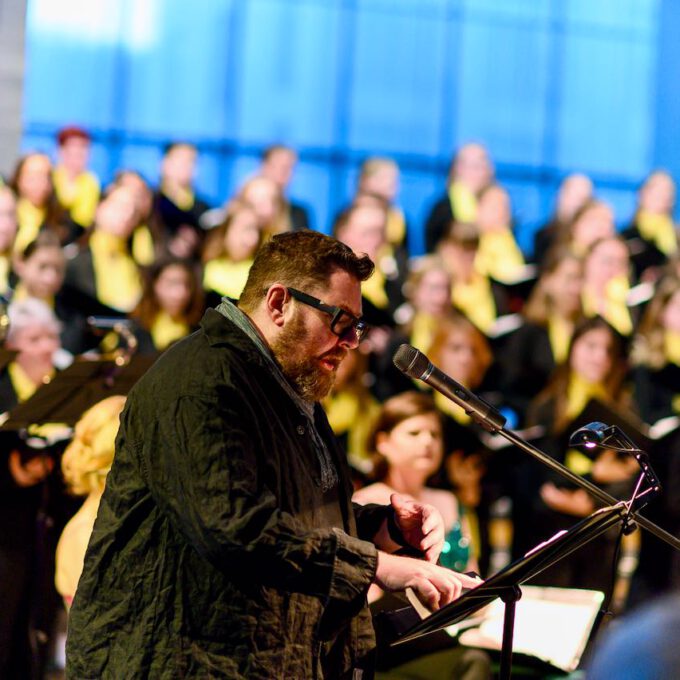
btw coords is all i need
(415, 364)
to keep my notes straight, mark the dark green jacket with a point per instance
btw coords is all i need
(215, 552)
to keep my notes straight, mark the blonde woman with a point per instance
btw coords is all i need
(85, 464)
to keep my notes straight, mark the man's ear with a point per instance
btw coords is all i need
(277, 303)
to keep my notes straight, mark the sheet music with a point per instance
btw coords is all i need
(551, 624)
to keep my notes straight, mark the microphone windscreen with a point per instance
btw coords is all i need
(410, 361)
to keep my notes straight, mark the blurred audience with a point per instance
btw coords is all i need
(548, 351)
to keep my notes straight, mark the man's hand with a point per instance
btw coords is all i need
(421, 524)
(435, 586)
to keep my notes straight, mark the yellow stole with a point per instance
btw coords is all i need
(659, 230)
(671, 344)
(373, 289)
(20, 293)
(182, 197)
(30, 220)
(463, 203)
(423, 329)
(499, 256)
(5, 266)
(165, 330)
(79, 196)
(116, 275)
(559, 332)
(475, 299)
(396, 226)
(450, 409)
(23, 386)
(142, 246)
(615, 311)
(579, 393)
(350, 412)
(226, 277)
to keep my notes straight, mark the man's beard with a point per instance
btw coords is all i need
(301, 370)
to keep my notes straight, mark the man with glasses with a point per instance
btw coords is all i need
(226, 543)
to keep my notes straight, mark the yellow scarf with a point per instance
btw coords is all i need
(23, 386)
(165, 330)
(79, 196)
(499, 256)
(142, 246)
(396, 226)
(182, 197)
(463, 203)
(5, 266)
(354, 413)
(373, 289)
(20, 293)
(117, 280)
(612, 308)
(659, 230)
(423, 329)
(559, 332)
(30, 220)
(579, 392)
(671, 344)
(450, 409)
(226, 277)
(475, 300)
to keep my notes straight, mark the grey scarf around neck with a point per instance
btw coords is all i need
(329, 475)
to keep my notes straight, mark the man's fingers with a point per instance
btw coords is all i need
(430, 520)
(432, 553)
(427, 593)
(469, 581)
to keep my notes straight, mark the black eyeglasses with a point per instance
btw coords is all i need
(343, 323)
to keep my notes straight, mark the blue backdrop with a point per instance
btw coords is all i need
(550, 86)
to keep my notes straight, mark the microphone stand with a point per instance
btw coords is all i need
(601, 496)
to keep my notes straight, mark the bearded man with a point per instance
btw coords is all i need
(226, 544)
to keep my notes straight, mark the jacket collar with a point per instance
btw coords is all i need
(221, 331)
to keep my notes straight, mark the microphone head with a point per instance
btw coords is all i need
(590, 435)
(410, 361)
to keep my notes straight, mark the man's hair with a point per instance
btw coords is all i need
(300, 259)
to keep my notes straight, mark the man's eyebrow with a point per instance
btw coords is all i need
(349, 311)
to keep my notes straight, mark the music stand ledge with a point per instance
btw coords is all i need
(404, 625)
(75, 389)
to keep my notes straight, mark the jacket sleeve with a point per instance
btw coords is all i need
(208, 482)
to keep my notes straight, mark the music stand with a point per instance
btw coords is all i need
(75, 389)
(404, 625)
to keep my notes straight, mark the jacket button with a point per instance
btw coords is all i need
(300, 429)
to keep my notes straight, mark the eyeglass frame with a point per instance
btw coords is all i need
(358, 325)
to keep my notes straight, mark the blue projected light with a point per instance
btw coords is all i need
(543, 84)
